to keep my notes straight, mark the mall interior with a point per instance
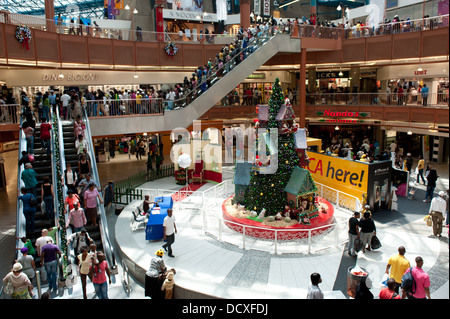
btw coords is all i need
(138, 73)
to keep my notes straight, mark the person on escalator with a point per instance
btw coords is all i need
(90, 203)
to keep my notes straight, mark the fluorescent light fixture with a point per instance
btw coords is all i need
(409, 132)
(288, 3)
(419, 69)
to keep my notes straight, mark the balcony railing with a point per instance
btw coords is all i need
(299, 30)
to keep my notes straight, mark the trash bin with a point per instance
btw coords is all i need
(353, 279)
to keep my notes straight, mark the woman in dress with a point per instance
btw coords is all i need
(84, 264)
(79, 126)
(27, 262)
(84, 166)
(22, 287)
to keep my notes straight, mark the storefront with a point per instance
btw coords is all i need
(190, 23)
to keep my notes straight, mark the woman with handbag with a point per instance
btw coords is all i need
(99, 272)
(17, 283)
(155, 276)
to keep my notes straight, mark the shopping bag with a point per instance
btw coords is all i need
(357, 244)
(384, 279)
(375, 243)
(427, 219)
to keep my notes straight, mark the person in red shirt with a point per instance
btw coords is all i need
(389, 292)
(45, 135)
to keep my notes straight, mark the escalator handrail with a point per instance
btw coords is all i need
(103, 225)
(54, 177)
(265, 36)
(21, 230)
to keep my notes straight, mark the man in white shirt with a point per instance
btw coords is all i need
(42, 241)
(437, 209)
(65, 98)
(170, 229)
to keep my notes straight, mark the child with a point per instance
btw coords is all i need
(168, 284)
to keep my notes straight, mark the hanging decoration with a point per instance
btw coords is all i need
(23, 35)
(171, 49)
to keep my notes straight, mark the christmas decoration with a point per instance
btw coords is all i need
(171, 49)
(23, 35)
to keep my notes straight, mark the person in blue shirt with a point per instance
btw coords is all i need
(29, 178)
(424, 93)
(29, 210)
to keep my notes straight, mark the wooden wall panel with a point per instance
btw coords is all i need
(100, 51)
(378, 48)
(16, 49)
(123, 52)
(2, 41)
(405, 45)
(73, 49)
(435, 42)
(147, 53)
(328, 56)
(353, 50)
(44, 41)
(193, 55)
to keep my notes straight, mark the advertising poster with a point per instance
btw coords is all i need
(266, 7)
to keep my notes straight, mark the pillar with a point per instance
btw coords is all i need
(50, 16)
(245, 13)
(312, 79)
(302, 98)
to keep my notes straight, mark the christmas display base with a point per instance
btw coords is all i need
(235, 219)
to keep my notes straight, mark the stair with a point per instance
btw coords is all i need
(70, 156)
(184, 117)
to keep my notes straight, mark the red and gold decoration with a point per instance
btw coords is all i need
(23, 35)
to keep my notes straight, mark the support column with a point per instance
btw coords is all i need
(50, 16)
(302, 97)
(245, 13)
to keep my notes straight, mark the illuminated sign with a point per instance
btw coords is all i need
(423, 72)
(331, 113)
(70, 77)
(332, 74)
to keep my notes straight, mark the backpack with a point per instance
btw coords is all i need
(33, 200)
(408, 282)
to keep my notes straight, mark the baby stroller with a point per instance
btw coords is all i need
(412, 185)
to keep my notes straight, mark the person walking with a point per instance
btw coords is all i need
(437, 210)
(431, 177)
(29, 209)
(47, 198)
(389, 292)
(99, 272)
(84, 265)
(78, 240)
(314, 291)
(90, 203)
(77, 218)
(353, 233)
(27, 262)
(49, 260)
(28, 177)
(21, 284)
(170, 229)
(421, 281)
(154, 276)
(367, 231)
(45, 129)
(397, 266)
(420, 167)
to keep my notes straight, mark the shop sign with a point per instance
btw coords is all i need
(189, 15)
(331, 113)
(266, 7)
(350, 177)
(332, 74)
(423, 72)
(257, 76)
(70, 77)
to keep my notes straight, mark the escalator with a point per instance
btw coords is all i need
(99, 234)
(192, 108)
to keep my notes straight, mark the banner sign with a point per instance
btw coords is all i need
(266, 7)
(257, 7)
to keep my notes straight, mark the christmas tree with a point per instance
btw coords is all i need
(266, 191)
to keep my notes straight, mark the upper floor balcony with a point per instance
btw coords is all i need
(124, 49)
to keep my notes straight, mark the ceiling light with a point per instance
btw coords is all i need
(419, 69)
(409, 132)
(337, 128)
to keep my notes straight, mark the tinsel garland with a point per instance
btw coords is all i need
(60, 195)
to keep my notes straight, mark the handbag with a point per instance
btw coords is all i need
(42, 206)
(375, 243)
(9, 288)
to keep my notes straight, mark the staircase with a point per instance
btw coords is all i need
(184, 117)
(70, 156)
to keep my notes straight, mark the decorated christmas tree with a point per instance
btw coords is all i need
(266, 191)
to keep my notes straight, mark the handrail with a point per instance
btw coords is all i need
(20, 217)
(103, 225)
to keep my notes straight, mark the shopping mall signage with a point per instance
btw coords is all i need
(342, 116)
(332, 74)
(423, 72)
(189, 15)
(88, 77)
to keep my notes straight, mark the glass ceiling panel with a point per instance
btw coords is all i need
(85, 8)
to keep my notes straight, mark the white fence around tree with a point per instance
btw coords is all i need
(205, 209)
